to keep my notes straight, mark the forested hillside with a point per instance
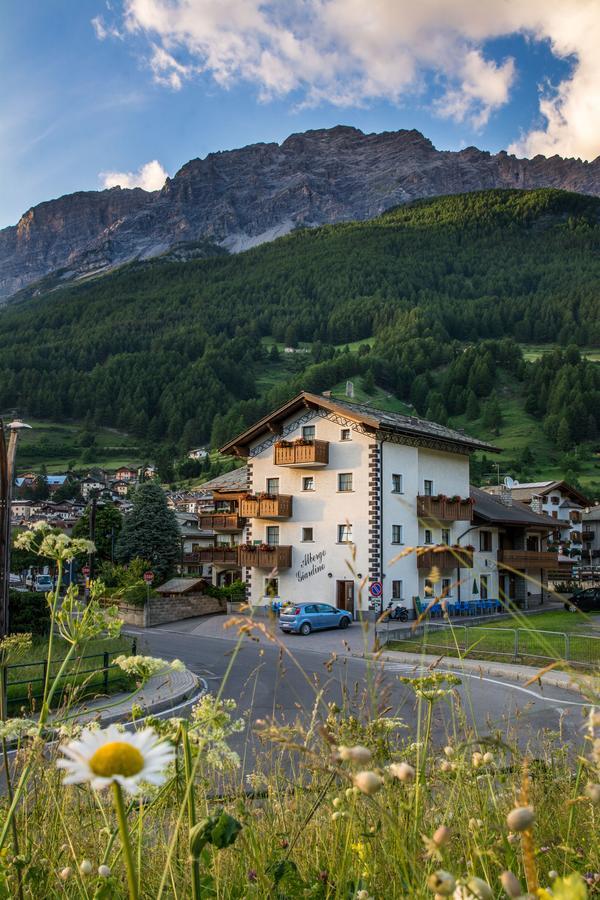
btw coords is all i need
(182, 351)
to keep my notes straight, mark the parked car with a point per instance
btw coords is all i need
(302, 618)
(584, 601)
(14, 581)
(43, 584)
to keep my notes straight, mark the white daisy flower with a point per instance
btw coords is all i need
(105, 756)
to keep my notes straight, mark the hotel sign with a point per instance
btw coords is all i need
(312, 564)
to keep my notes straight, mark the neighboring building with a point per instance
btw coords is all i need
(20, 509)
(89, 485)
(126, 473)
(220, 525)
(561, 502)
(511, 560)
(120, 487)
(591, 537)
(342, 494)
(200, 453)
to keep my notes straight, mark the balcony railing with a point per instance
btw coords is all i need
(274, 507)
(223, 555)
(221, 522)
(524, 559)
(445, 558)
(274, 558)
(446, 509)
(309, 454)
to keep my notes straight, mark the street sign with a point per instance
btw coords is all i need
(148, 577)
(376, 589)
(85, 570)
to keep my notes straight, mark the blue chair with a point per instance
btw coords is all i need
(436, 610)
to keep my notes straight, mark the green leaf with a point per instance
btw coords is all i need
(200, 835)
(225, 831)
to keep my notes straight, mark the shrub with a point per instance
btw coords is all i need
(29, 612)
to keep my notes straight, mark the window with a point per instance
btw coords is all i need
(554, 500)
(446, 587)
(273, 535)
(485, 541)
(345, 481)
(307, 534)
(271, 587)
(397, 590)
(397, 484)
(446, 537)
(396, 534)
(272, 485)
(308, 483)
(428, 488)
(428, 536)
(308, 432)
(483, 586)
(344, 534)
(345, 434)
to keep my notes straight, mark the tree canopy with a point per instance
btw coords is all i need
(150, 531)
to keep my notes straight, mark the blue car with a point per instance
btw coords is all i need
(302, 618)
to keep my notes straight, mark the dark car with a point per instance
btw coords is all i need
(302, 618)
(584, 601)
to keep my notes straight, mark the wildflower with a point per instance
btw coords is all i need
(13, 646)
(449, 751)
(339, 814)
(553, 875)
(252, 875)
(477, 759)
(475, 824)
(104, 871)
(474, 889)
(592, 791)
(145, 667)
(488, 758)
(337, 802)
(356, 754)
(66, 873)
(511, 884)
(446, 765)
(367, 782)
(512, 838)
(13, 729)
(86, 867)
(110, 756)
(402, 771)
(362, 895)
(520, 818)
(351, 793)
(443, 883)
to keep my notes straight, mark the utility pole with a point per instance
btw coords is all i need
(7, 476)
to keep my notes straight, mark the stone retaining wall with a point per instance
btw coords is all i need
(173, 608)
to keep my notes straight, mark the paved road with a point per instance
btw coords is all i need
(282, 683)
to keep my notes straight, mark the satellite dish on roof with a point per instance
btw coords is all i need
(508, 482)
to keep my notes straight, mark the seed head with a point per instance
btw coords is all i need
(443, 883)
(66, 873)
(477, 759)
(85, 867)
(511, 884)
(488, 758)
(402, 771)
(104, 871)
(449, 751)
(520, 818)
(337, 802)
(445, 765)
(593, 792)
(367, 782)
(441, 836)
(474, 889)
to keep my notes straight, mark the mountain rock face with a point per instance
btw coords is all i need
(241, 198)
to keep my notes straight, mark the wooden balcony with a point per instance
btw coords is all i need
(275, 558)
(445, 559)
(274, 507)
(229, 522)
(528, 559)
(309, 455)
(445, 510)
(213, 555)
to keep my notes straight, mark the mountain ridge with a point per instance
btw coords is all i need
(242, 197)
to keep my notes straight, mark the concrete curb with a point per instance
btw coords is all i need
(521, 674)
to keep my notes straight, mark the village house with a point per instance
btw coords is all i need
(90, 485)
(126, 473)
(340, 496)
(120, 487)
(561, 502)
(199, 453)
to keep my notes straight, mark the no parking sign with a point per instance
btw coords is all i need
(376, 589)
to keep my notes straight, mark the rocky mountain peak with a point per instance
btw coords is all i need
(240, 198)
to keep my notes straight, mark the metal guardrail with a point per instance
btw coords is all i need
(475, 641)
(103, 669)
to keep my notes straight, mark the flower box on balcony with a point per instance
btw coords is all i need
(302, 453)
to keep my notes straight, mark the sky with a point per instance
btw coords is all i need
(102, 92)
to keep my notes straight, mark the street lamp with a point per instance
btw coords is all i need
(7, 477)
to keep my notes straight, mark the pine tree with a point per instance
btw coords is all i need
(150, 531)
(368, 382)
(472, 411)
(563, 435)
(108, 524)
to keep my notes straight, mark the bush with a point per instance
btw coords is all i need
(28, 613)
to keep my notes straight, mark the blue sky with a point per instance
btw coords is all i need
(151, 80)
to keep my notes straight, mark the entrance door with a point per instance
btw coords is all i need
(345, 596)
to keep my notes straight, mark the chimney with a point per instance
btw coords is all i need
(506, 495)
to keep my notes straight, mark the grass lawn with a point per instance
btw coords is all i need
(534, 639)
(531, 352)
(379, 398)
(25, 678)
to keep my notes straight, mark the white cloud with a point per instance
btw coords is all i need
(151, 177)
(351, 52)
